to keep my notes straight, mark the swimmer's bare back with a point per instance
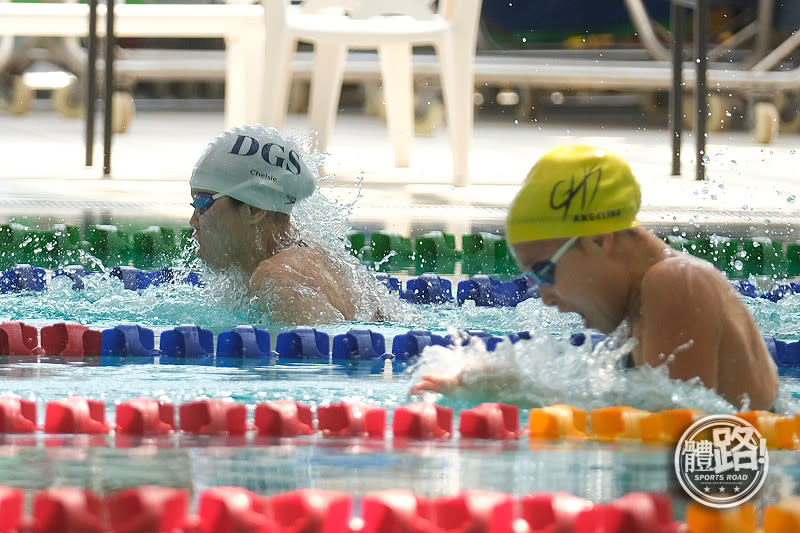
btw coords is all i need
(689, 309)
(309, 288)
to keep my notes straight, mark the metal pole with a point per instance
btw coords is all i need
(701, 96)
(91, 83)
(109, 87)
(677, 17)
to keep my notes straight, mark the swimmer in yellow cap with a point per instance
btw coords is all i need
(574, 233)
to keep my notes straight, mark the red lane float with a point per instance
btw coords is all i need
(490, 421)
(311, 511)
(392, 511)
(68, 510)
(472, 511)
(651, 512)
(423, 421)
(554, 513)
(12, 502)
(17, 415)
(148, 510)
(145, 417)
(213, 417)
(75, 415)
(71, 340)
(232, 510)
(633, 513)
(18, 338)
(351, 420)
(283, 418)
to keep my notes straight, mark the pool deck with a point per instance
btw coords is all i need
(749, 186)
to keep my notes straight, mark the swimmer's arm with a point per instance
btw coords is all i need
(486, 381)
(291, 295)
(680, 317)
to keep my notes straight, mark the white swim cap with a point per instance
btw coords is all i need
(256, 165)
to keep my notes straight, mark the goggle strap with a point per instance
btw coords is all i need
(246, 183)
(561, 251)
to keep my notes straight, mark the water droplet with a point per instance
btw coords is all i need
(727, 114)
(790, 199)
(733, 161)
(706, 159)
(675, 229)
(738, 265)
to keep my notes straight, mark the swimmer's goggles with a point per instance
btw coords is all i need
(544, 272)
(203, 200)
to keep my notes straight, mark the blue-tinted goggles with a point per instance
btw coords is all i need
(544, 272)
(203, 200)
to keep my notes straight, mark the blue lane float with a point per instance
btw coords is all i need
(244, 344)
(74, 272)
(785, 354)
(392, 283)
(303, 343)
(23, 278)
(410, 345)
(185, 343)
(190, 344)
(428, 288)
(135, 279)
(487, 291)
(128, 341)
(358, 345)
(781, 290)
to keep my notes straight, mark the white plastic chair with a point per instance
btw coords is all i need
(392, 27)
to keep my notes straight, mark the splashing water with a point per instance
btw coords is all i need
(323, 223)
(547, 370)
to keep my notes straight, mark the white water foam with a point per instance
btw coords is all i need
(548, 370)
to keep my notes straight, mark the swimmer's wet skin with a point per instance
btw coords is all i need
(680, 309)
(244, 187)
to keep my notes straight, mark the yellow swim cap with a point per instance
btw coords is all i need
(574, 191)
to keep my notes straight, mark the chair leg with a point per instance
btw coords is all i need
(458, 84)
(398, 92)
(326, 86)
(243, 78)
(277, 72)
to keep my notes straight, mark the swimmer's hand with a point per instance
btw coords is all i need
(440, 384)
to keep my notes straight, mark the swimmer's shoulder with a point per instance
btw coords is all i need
(682, 283)
(297, 264)
(681, 273)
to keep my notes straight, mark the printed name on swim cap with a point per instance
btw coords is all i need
(574, 191)
(291, 163)
(256, 165)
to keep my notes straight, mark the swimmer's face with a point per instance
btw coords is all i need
(580, 285)
(217, 231)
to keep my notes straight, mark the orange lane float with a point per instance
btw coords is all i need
(557, 422)
(666, 427)
(783, 517)
(615, 423)
(741, 519)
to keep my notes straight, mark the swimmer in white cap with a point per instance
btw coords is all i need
(244, 187)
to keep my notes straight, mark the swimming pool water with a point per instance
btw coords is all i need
(600, 472)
